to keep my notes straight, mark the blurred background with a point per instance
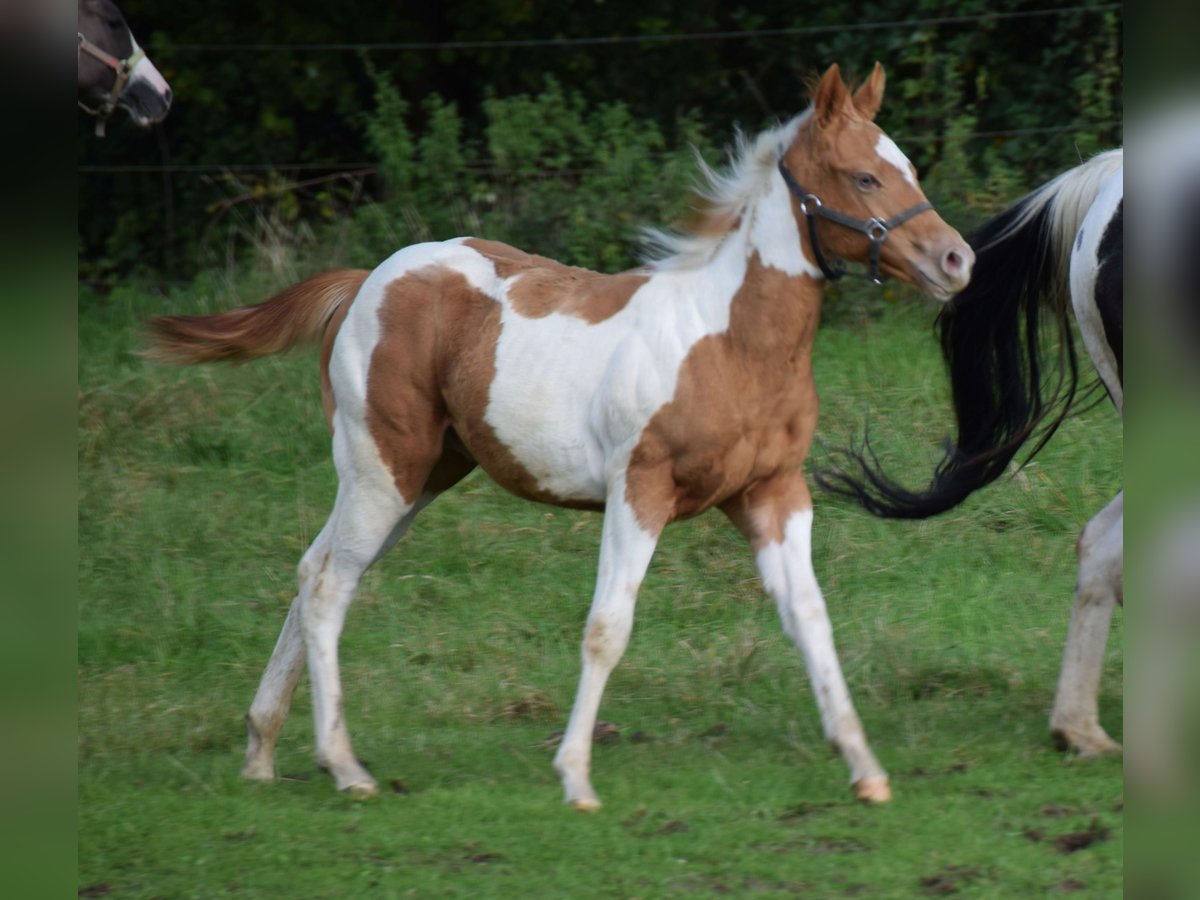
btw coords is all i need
(358, 127)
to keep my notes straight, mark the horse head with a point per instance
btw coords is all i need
(860, 198)
(114, 71)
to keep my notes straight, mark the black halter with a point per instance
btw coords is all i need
(876, 230)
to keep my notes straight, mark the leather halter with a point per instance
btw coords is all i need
(875, 229)
(123, 69)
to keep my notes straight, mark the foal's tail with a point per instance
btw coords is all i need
(994, 342)
(299, 315)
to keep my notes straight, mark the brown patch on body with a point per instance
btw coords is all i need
(428, 383)
(744, 410)
(542, 286)
(405, 413)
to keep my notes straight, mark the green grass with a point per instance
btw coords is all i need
(200, 488)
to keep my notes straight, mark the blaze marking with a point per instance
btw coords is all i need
(888, 151)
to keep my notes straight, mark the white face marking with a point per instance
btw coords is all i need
(146, 71)
(889, 152)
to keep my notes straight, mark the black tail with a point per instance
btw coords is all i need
(1009, 384)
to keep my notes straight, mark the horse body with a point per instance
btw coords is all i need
(1096, 279)
(653, 394)
(1058, 250)
(113, 71)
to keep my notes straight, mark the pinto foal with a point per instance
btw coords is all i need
(652, 395)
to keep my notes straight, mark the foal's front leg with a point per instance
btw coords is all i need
(625, 551)
(776, 517)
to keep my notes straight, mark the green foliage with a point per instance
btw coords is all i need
(551, 174)
(464, 140)
(387, 133)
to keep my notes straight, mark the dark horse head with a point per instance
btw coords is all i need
(114, 71)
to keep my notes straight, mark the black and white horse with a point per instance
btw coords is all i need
(1061, 242)
(113, 71)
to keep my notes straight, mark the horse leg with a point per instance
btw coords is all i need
(625, 551)
(273, 698)
(776, 517)
(274, 695)
(369, 517)
(1074, 721)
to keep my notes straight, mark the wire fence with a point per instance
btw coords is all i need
(368, 167)
(612, 40)
(365, 167)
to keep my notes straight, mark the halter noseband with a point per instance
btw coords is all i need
(875, 229)
(123, 69)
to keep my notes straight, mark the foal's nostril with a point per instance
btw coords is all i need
(167, 96)
(952, 263)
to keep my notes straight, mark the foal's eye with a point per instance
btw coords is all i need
(866, 181)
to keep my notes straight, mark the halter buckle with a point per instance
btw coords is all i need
(806, 200)
(876, 230)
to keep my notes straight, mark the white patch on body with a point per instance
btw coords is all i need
(775, 233)
(570, 399)
(1084, 269)
(889, 152)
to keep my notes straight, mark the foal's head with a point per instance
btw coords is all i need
(113, 70)
(860, 188)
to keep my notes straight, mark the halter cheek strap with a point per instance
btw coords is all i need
(123, 69)
(875, 229)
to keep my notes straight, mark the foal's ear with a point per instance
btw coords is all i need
(831, 96)
(868, 98)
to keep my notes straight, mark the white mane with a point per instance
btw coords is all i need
(727, 194)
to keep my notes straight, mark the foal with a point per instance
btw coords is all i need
(653, 395)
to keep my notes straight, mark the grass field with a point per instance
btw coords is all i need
(200, 488)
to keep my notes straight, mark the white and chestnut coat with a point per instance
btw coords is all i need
(653, 394)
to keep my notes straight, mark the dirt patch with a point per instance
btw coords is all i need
(1054, 811)
(602, 733)
(531, 704)
(1075, 841)
(950, 880)
(673, 827)
(483, 858)
(804, 809)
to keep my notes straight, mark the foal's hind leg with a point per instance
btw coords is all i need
(1075, 720)
(272, 700)
(370, 515)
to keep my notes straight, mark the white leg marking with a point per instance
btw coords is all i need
(787, 573)
(625, 552)
(1075, 718)
(273, 698)
(367, 519)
